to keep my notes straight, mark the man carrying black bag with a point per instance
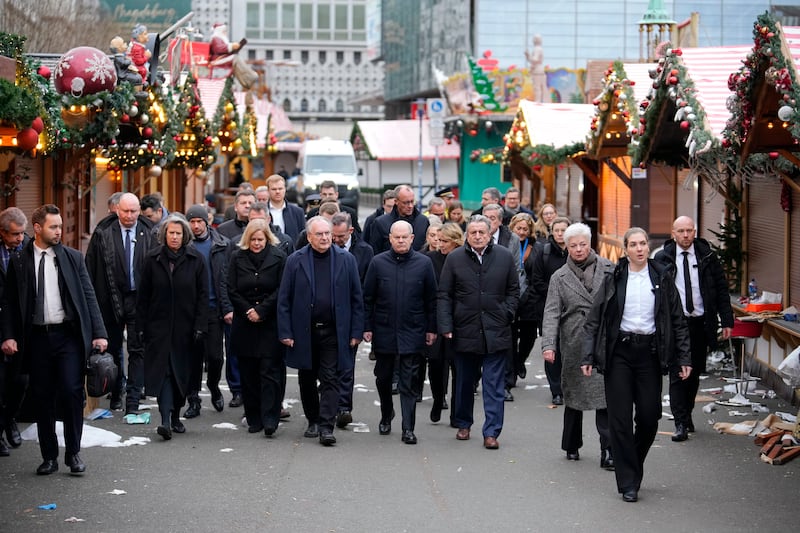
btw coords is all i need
(101, 373)
(51, 320)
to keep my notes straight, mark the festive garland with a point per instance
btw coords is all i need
(616, 99)
(195, 145)
(671, 82)
(19, 105)
(765, 62)
(94, 119)
(536, 157)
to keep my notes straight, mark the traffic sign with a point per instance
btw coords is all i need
(436, 112)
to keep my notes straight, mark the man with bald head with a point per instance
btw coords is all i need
(706, 303)
(400, 307)
(115, 256)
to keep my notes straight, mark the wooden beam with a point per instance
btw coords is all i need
(790, 156)
(587, 170)
(618, 171)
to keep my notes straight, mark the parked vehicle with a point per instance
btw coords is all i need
(321, 160)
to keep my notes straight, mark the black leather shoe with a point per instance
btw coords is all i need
(312, 432)
(630, 496)
(436, 412)
(13, 434)
(285, 414)
(257, 428)
(573, 456)
(558, 400)
(48, 467)
(681, 434)
(194, 409)
(218, 402)
(395, 390)
(690, 425)
(444, 405)
(236, 401)
(326, 438)
(384, 428)
(177, 426)
(522, 372)
(75, 464)
(115, 405)
(343, 418)
(4, 451)
(508, 397)
(165, 432)
(409, 437)
(606, 460)
(269, 431)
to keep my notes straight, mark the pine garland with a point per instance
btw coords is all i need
(616, 98)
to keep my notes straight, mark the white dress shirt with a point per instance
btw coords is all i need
(53, 307)
(638, 315)
(694, 273)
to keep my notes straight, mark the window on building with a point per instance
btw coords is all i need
(306, 21)
(270, 24)
(253, 28)
(323, 56)
(359, 29)
(323, 22)
(287, 105)
(304, 105)
(287, 55)
(339, 105)
(339, 58)
(251, 54)
(322, 107)
(341, 22)
(304, 57)
(357, 58)
(269, 55)
(288, 23)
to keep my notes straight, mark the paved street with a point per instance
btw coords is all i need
(213, 479)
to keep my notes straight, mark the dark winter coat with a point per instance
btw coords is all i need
(713, 286)
(220, 255)
(602, 326)
(105, 260)
(547, 258)
(477, 301)
(363, 254)
(400, 302)
(254, 285)
(365, 236)
(294, 220)
(77, 294)
(379, 231)
(296, 297)
(171, 309)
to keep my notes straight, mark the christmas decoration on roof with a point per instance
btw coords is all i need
(616, 116)
(226, 121)
(195, 145)
(484, 88)
(768, 62)
(672, 86)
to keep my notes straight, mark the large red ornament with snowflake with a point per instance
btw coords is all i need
(84, 70)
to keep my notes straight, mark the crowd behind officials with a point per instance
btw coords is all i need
(459, 299)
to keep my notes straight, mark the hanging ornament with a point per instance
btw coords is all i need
(44, 71)
(685, 124)
(147, 132)
(38, 124)
(144, 119)
(133, 111)
(84, 70)
(785, 113)
(27, 139)
(155, 171)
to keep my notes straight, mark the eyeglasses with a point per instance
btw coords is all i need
(320, 234)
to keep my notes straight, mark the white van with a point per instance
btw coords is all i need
(326, 160)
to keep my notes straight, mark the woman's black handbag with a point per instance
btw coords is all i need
(101, 373)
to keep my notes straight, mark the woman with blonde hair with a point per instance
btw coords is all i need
(254, 276)
(547, 214)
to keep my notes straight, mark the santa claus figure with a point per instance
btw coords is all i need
(137, 50)
(222, 52)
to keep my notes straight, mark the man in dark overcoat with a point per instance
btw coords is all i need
(320, 319)
(51, 319)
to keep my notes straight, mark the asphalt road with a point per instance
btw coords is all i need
(213, 479)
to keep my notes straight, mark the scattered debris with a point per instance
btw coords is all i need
(226, 450)
(225, 425)
(117, 492)
(141, 418)
(74, 519)
(777, 447)
(47, 507)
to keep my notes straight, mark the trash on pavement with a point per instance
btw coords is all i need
(47, 507)
(141, 418)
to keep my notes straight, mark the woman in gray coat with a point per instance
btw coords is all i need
(569, 299)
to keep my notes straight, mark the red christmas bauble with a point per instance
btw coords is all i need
(774, 155)
(125, 118)
(685, 124)
(44, 71)
(27, 139)
(673, 80)
(84, 70)
(208, 141)
(147, 132)
(38, 124)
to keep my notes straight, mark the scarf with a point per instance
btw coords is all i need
(257, 259)
(584, 270)
(173, 257)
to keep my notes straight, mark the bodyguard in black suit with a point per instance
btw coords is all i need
(115, 270)
(51, 319)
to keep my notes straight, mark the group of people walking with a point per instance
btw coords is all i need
(268, 289)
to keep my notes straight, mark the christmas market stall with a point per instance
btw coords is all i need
(607, 167)
(540, 149)
(678, 140)
(762, 141)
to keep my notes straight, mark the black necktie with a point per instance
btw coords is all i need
(39, 316)
(687, 283)
(128, 255)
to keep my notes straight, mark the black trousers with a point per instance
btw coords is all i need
(209, 354)
(682, 392)
(170, 399)
(384, 369)
(346, 382)
(320, 403)
(135, 354)
(263, 382)
(572, 435)
(553, 373)
(633, 380)
(13, 385)
(523, 337)
(57, 361)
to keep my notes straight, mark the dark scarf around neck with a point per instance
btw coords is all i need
(584, 270)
